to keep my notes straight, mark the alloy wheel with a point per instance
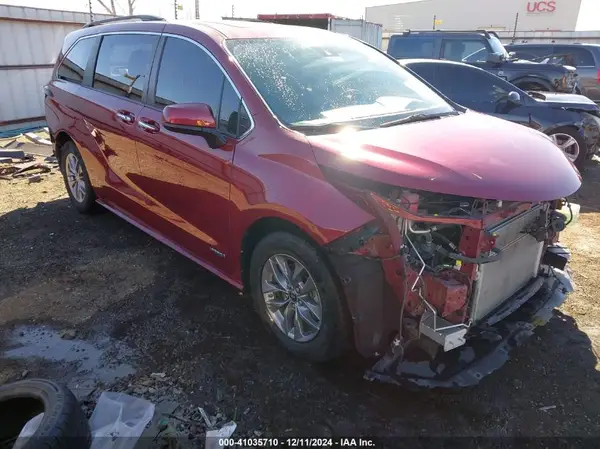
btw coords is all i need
(75, 177)
(568, 144)
(292, 298)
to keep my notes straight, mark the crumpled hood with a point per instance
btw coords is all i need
(571, 101)
(470, 155)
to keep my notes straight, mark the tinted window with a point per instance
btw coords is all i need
(574, 56)
(73, 66)
(187, 74)
(123, 64)
(412, 47)
(465, 50)
(425, 70)
(312, 81)
(531, 53)
(245, 122)
(229, 111)
(473, 87)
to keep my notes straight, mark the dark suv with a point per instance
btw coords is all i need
(352, 202)
(585, 57)
(483, 49)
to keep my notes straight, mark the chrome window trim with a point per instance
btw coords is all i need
(205, 50)
(197, 44)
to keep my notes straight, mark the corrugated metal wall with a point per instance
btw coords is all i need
(360, 29)
(30, 40)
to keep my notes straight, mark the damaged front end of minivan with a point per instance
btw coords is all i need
(441, 287)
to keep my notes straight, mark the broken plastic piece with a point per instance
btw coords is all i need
(28, 430)
(213, 437)
(116, 416)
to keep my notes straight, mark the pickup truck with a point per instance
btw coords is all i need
(483, 49)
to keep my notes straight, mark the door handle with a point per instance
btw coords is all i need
(125, 116)
(150, 126)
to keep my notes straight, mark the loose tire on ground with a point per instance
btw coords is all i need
(64, 425)
(333, 337)
(87, 204)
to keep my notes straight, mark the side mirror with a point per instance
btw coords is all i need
(495, 58)
(514, 97)
(193, 118)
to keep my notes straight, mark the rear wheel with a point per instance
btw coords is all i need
(76, 179)
(572, 143)
(296, 296)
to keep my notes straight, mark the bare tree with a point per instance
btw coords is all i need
(111, 7)
(131, 5)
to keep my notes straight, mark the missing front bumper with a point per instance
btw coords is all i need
(487, 347)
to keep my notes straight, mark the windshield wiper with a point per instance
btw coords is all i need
(420, 117)
(307, 127)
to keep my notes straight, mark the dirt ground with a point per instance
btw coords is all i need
(135, 307)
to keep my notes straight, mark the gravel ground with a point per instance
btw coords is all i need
(97, 303)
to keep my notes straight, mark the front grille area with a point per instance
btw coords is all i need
(521, 254)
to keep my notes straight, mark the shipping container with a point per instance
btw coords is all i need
(369, 32)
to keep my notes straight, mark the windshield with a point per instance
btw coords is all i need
(332, 79)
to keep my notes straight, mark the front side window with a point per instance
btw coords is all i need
(187, 74)
(123, 64)
(331, 79)
(465, 50)
(473, 88)
(73, 66)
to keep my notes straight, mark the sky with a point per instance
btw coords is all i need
(213, 9)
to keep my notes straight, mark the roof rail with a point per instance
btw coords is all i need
(142, 18)
(485, 32)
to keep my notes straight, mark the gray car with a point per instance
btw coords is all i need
(585, 57)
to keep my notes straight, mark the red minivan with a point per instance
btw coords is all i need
(357, 206)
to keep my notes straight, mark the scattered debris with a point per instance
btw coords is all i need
(24, 374)
(68, 334)
(549, 407)
(19, 154)
(37, 139)
(34, 178)
(158, 375)
(6, 160)
(205, 417)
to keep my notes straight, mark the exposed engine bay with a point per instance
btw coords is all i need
(455, 265)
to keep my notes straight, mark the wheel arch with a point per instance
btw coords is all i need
(532, 79)
(59, 140)
(264, 226)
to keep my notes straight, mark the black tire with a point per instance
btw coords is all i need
(333, 338)
(88, 205)
(63, 426)
(583, 151)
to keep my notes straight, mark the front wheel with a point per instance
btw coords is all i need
(572, 143)
(295, 295)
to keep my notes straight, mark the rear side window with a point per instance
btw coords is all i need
(412, 47)
(187, 74)
(73, 66)
(531, 52)
(461, 50)
(574, 56)
(123, 64)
